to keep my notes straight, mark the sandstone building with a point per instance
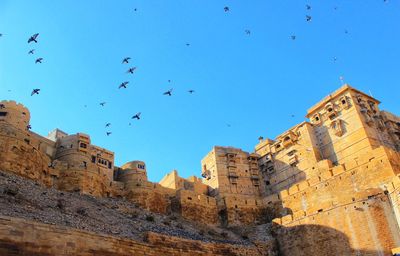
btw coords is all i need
(330, 181)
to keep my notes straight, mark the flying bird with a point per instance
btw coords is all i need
(126, 60)
(247, 31)
(191, 91)
(135, 9)
(293, 37)
(108, 133)
(308, 7)
(346, 31)
(102, 104)
(33, 38)
(108, 124)
(334, 59)
(28, 127)
(38, 60)
(31, 51)
(35, 91)
(308, 18)
(169, 92)
(123, 85)
(1, 35)
(226, 9)
(130, 70)
(137, 116)
(187, 44)
(169, 81)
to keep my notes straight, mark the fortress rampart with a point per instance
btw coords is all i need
(339, 170)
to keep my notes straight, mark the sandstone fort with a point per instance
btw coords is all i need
(327, 186)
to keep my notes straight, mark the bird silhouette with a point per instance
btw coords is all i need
(169, 81)
(1, 35)
(31, 51)
(130, 70)
(38, 60)
(33, 38)
(135, 9)
(108, 133)
(191, 91)
(28, 127)
(308, 7)
(35, 91)
(187, 44)
(169, 92)
(137, 116)
(102, 104)
(126, 60)
(123, 85)
(108, 124)
(334, 59)
(226, 9)
(293, 37)
(247, 31)
(308, 18)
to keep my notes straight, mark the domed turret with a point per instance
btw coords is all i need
(15, 114)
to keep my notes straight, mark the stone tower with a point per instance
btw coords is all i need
(15, 114)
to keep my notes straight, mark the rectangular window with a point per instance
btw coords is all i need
(93, 159)
(3, 113)
(83, 145)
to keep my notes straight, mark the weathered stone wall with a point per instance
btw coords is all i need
(154, 200)
(197, 207)
(364, 227)
(83, 180)
(20, 153)
(21, 237)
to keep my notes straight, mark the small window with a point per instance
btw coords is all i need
(286, 138)
(3, 113)
(93, 159)
(83, 145)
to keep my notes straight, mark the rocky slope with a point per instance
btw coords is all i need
(23, 198)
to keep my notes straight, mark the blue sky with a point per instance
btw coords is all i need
(254, 83)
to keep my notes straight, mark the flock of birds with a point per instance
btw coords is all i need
(34, 39)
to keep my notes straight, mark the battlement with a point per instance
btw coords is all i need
(14, 114)
(14, 105)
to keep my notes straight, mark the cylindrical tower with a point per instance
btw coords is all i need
(15, 114)
(133, 173)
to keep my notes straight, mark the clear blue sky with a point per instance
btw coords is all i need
(252, 82)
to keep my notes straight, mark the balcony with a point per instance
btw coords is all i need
(232, 175)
